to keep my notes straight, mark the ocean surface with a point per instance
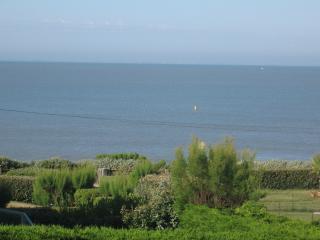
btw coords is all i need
(76, 110)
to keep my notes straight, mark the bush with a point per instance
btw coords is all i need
(83, 177)
(155, 209)
(122, 156)
(288, 179)
(5, 195)
(252, 209)
(54, 188)
(26, 171)
(116, 186)
(84, 198)
(6, 164)
(20, 187)
(142, 168)
(54, 163)
(218, 176)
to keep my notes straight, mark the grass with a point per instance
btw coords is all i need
(197, 222)
(297, 204)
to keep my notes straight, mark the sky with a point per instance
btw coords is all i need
(246, 32)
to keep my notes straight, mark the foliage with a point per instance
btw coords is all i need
(83, 177)
(155, 210)
(20, 187)
(216, 177)
(142, 168)
(288, 179)
(282, 165)
(26, 171)
(122, 156)
(119, 165)
(158, 166)
(316, 163)
(54, 188)
(178, 180)
(252, 209)
(5, 195)
(54, 163)
(197, 222)
(84, 198)
(116, 186)
(7, 164)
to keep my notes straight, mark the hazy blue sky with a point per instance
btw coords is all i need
(166, 31)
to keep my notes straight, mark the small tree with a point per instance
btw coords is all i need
(217, 176)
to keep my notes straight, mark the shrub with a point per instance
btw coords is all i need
(142, 168)
(155, 209)
(20, 187)
(159, 166)
(288, 179)
(26, 171)
(83, 177)
(118, 165)
(282, 165)
(54, 188)
(216, 177)
(252, 209)
(54, 163)
(5, 195)
(116, 186)
(84, 198)
(6, 164)
(122, 156)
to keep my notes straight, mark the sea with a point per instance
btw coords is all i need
(78, 110)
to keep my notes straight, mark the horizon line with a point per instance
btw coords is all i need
(155, 63)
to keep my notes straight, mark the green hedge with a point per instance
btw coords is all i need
(20, 187)
(288, 179)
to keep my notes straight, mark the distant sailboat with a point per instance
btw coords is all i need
(195, 108)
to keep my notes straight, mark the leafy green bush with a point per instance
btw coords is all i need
(288, 179)
(54, 163)
(123, 156)
(142, 168)
(282, 165)
(116, 186)
(217, 176)
(20, 187)
(252, 209)
(5, 195)
(7, 164)
(83, 177)
(84, 198)
(26, 171)
(54, 188)
(155, 209)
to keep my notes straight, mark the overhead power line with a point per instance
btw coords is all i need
(245, 128)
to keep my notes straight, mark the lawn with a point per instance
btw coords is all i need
(292, 203)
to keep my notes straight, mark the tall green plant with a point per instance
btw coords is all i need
(216, 177)
(54, 188)
(116, 186)
(179, 180)
(84, 177)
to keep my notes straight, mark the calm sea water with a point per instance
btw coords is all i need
(274, 110)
